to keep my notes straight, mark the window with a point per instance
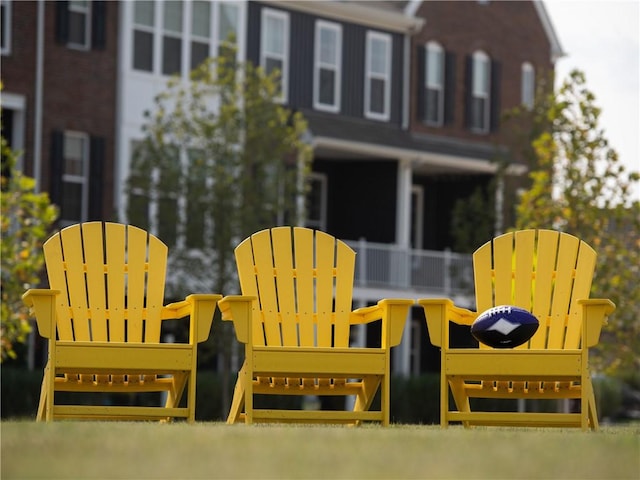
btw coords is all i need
(528, 85)
(200, 32)
(317, 201)
(228, 25)
(434, 84)
(174, 29)
(5, 27)
(143, 22)
(377, 85)
(79, 24)
(275, 47)
(327, 66)
(480, 92)
(172, 37)
(75, 178)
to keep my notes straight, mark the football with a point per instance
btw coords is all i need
(504, 326)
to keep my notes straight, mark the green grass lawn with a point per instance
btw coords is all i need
(96, 450)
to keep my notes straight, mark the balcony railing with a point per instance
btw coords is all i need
(388, 266)
(379, 266)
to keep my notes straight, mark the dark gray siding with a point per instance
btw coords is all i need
(301, 50)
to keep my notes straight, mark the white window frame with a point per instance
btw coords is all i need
(434, 57)
(86, 11)
(280, 16)
(481, 88)
(528, 91)
(384, 76)
(319, 65)
(83, 179)
(6, 27)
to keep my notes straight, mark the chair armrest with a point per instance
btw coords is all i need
(200, 307)
(594, 316)
(392, 312)
(41, 303)
(438, 312)
(238, 308)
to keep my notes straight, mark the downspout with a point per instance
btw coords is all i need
(37, 110)
(37, 143)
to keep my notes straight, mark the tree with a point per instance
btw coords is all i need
(26, 220)
(221, 158)
(579, 186)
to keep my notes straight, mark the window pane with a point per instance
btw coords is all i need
(77, 28)
(434, 68)
(72, 201)
(143, 12)
(376, 103)
(273, 64)
(143, 51)
(478, 108)
(433, 106)
(328, 46)
(201, 19)
(378, 56)
(274, 34)
(228, 21)
(173, 16)
(199, 52)
(327, 86)
(171, 55)
(480, 76)
(73, 156)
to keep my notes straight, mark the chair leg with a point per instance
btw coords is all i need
(592, 416)
(365, 395)
(460, 397)
(44, 397)
(237, 404)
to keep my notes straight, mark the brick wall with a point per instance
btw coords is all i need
(509, 32)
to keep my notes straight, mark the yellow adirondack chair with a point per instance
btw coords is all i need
(294, 318)
(549, 274)
(102, 315)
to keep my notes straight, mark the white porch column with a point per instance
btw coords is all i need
(402, 353)
(403, 203)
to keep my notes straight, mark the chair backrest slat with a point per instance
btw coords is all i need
(156, 270)
(73, 252)
(112, 278)
(585, 269)
(324, 263)
(303, 246)
(116, 280)
(303, 280)
(565, 270)
(92, 240)
(345, 275)
(282, 247)
(136, 282)
(264, 267)
(543, 271)
(249, 285)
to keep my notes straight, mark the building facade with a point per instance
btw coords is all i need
(403, 101)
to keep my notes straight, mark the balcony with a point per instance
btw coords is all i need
(394, 270)
(382, 271)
